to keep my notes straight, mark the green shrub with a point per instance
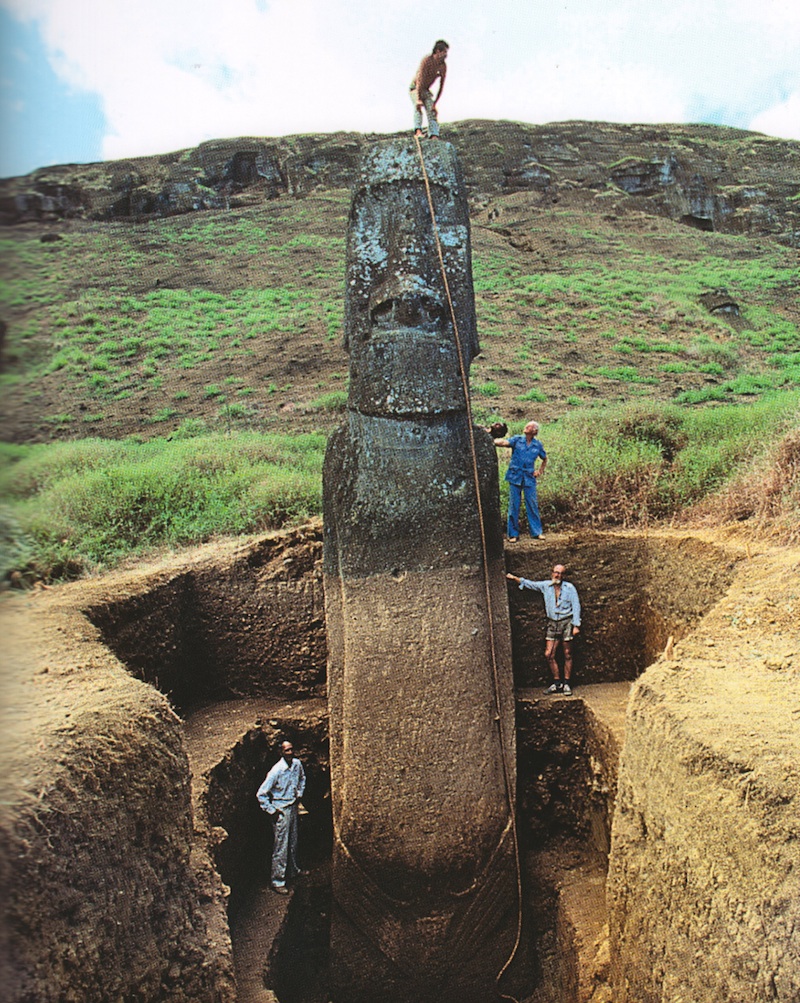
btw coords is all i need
(533, 395)
(16, 549)
(631, 463)
(336, 400)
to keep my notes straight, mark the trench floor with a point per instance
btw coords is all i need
(210, 732)
(579, 881)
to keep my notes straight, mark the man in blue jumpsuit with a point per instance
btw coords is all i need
(521, 476)
(279, 796)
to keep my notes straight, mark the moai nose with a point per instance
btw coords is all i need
(406, 301)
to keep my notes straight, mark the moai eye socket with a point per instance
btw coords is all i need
(382, 314)
(435, 312)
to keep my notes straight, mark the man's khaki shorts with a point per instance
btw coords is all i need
(559, 630)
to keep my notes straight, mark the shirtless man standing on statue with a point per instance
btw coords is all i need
(431, 69)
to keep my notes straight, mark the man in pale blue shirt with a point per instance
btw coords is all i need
(563, 609)
(279, 796)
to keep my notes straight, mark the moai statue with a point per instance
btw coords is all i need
(421, 717)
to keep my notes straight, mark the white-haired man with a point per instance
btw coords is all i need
(521, 476)
(563, 610)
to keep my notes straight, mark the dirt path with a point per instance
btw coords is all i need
(252, 936)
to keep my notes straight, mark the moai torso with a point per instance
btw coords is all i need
(421, 715)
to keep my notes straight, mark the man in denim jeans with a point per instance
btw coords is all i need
(279, 796)
(431, 69)
(563, 609)
(521, 477)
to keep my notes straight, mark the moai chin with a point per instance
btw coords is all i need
(424, 880)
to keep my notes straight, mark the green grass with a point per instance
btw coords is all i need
(138, 337)
(85, 315)
(111, 335)
(336, 400)
(87, 504)
(633, 463)
(645, 304)
(534, 394)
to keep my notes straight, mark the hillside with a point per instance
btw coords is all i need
(203, 289)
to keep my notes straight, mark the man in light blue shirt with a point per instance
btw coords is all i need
(563, 609)
(279, 796)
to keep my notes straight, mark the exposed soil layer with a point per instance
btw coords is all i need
(113, 878)
(636, 591)
(568, 753)
(107, 894)
(216, 629)
(704, 885)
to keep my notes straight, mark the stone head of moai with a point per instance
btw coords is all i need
(398, 323)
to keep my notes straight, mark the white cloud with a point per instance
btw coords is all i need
(171, 73)
(781, 119)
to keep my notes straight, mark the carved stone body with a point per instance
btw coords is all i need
(422, 763)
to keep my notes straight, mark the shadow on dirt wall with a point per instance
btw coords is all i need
(257, 627)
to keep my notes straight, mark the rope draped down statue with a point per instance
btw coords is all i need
(425, 869)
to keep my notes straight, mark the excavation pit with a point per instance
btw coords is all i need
(235, 637)
(568, 751)
(211, 637)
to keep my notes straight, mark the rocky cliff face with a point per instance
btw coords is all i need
(710, 177)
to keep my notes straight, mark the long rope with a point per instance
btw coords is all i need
(486, 583)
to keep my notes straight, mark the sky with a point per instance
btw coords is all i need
(89, 80)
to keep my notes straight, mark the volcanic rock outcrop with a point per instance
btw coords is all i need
(421, 711)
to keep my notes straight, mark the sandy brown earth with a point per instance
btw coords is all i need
(75, 723)
(703, 885)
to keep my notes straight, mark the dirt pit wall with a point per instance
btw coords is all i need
(251, 622)
(166, 623)
(636, 591)
(106, 894)
(704, 877)
(243, 621)
(225, 794)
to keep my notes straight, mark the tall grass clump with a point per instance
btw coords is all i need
(89, 504)
(630, 464)
(766, 492)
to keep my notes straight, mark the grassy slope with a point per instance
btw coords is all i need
(231, 321)
(235, 318)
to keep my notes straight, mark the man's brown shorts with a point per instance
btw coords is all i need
(559, 630)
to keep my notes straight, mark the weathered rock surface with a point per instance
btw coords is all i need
(109, 893)
(422, 725)
(710, 177)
